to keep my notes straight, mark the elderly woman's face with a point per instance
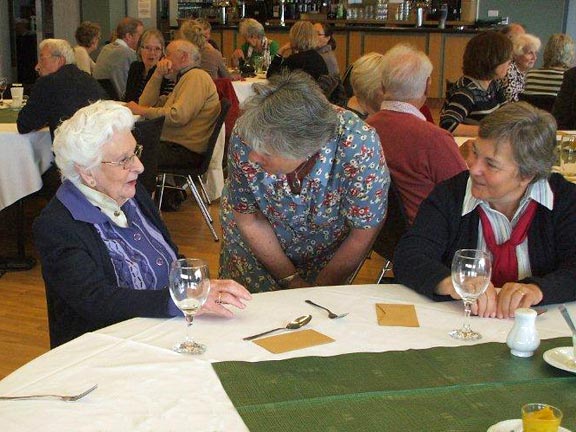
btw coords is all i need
(495, 174)
(322, 38)
(118, 180)
(527, 60)
(274, 164)
(151, 51)
(254, 41)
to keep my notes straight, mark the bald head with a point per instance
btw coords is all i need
(183, 54)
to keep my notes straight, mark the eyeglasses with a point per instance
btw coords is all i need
(127, 162)
(321, 34)
(152, 48)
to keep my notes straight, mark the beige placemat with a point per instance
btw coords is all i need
(401, 315)
(293, 341)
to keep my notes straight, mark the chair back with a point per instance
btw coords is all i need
(544, 102)
(224, 108)
(346, 82)
(109, 88)
(226, 91)
(147, 134)
(394, 227)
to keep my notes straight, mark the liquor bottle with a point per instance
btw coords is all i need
(276, 9)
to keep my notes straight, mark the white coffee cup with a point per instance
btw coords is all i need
(17, 92)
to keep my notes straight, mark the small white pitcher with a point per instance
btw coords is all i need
(523, 339)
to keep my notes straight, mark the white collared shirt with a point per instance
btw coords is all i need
(502, 227)
(402, 107)
(123, 43)
(106, 205)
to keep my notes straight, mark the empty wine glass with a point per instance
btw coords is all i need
(189, 288)
(471, 270)
(3, 87)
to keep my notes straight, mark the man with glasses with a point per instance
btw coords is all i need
(61, 90)
(113, 62)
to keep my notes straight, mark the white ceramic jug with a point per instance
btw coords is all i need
(523, 339)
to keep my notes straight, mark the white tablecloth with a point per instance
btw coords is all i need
(23, 160)
(144, 386)
(244, 89)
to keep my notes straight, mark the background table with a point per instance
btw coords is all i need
(244, 88)
(144, 386)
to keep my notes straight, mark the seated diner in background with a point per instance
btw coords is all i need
(478, 92)
(525, 49)
(327, 46)
(419, 154)
(190, 111)
(105, 251)
(256, 44)
(300, 53)
(150, 50)
(508, 204)
(557, 58)
(306, 191)
(564, 110)
(212, 61)
(87, 36)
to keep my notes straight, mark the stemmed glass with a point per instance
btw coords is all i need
(189, 288)
(471, 270)
(3, 87)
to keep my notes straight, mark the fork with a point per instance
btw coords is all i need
(65, 398)
(331, 314)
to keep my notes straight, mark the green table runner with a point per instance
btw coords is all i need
(8, 115)
(464, 388)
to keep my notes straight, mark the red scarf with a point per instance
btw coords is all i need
(504, 260)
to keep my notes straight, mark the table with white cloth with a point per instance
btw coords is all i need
(144, 386)
(243, 88)
(24, 159)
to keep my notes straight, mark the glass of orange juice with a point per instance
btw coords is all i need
(538, 417)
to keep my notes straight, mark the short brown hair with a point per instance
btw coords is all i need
(86, 32)
(484, 53)
(126, 26)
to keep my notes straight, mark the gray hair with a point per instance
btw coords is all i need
(531, 133)
(188, 47)
(559, 51)
(288, 117)
(405, 73)
(78, 141)
(522, 43)
(250, 27)
(366, 80)
(59, 48)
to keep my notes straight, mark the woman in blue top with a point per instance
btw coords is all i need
(306, 190)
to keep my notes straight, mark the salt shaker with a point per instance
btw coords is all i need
(523, 339)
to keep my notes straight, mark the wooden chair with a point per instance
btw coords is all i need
(147, 134)
(190, 174)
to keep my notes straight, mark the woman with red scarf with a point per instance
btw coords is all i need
(508, 204)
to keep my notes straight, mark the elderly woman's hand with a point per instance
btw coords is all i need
(236, 56)
(485, 306)
(514, 295)
(285, 50)
(225, 292)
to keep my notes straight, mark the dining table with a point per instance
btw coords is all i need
(244, 87)
(364, 377)
(25, 157)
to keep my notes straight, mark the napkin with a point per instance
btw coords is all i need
(293, 341)
(402, 315)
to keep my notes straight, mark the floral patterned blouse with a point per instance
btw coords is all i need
(513, 83)
(347, 188)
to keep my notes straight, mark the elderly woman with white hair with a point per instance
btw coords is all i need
(524, 55)
(306, 190)
(256, 44)
(105, 251)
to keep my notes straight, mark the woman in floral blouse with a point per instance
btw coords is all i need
(306, 191)
(525, 54)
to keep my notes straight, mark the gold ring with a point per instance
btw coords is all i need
(219, 300)
(521, 291)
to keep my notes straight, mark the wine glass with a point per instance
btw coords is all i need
(189, 288)
(3, 87)
(471, 270)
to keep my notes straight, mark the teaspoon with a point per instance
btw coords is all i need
(292, 325)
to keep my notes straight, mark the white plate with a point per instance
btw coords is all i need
(561, 358)
(514, 425)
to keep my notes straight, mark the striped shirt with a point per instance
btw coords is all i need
(544, 81)
(469, 103)
(502, 227)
